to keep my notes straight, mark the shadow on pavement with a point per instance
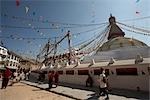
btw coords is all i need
(118, 92)
(131, 94)
(18, 85)
(36, 89)
(94, 96)
(81, 87)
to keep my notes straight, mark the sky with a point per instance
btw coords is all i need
(29, 24)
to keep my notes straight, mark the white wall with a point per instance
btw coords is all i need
(116, 81)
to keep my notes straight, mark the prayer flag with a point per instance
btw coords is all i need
(17, 2)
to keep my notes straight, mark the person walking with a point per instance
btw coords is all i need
(56, 77)
(6, 76)
(89, 81)
(28, 75)
(103, 84)
(43, 77)
(50, 78)
(22, 76)
(15, 74)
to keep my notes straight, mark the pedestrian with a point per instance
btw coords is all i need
(18, 77)
(89, 81)
(56, 77)
(6, 77)
(22, 76)
(39, 78)
(103, 84)
(15, 74)
(27, 76)
(50, 78)
(43, 77)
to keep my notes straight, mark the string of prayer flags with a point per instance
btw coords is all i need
(137, 12)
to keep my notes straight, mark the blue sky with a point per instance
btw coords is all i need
(65, 11)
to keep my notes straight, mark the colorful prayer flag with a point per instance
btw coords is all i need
(17, 2)
(137, 12)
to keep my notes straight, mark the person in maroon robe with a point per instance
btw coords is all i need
(56, 77)
(50, 79)
(6, 75)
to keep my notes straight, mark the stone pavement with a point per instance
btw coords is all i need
(86, 93)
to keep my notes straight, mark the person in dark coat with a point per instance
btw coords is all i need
(50, 78)
(89, 81)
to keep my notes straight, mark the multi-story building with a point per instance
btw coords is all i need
(9, 58)
(13, 60)
(3, 55)
(29, 64)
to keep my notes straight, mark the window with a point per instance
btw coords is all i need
(11, 63)
(126, 71)
(4, 51)
(60, 72)
(98, 71)
(70, 72)
(15, 58)
(83, 72)
(11, 56)
(44, 72)
(51, 71)
(34, 71)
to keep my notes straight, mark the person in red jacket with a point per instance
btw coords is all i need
(56, 77)
(50, 78)
(6, 76)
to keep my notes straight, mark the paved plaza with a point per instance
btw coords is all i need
(20, 91)
(86, 93)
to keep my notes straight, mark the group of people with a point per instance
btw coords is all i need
(103, 83)
(15, 76)
(53, 78)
